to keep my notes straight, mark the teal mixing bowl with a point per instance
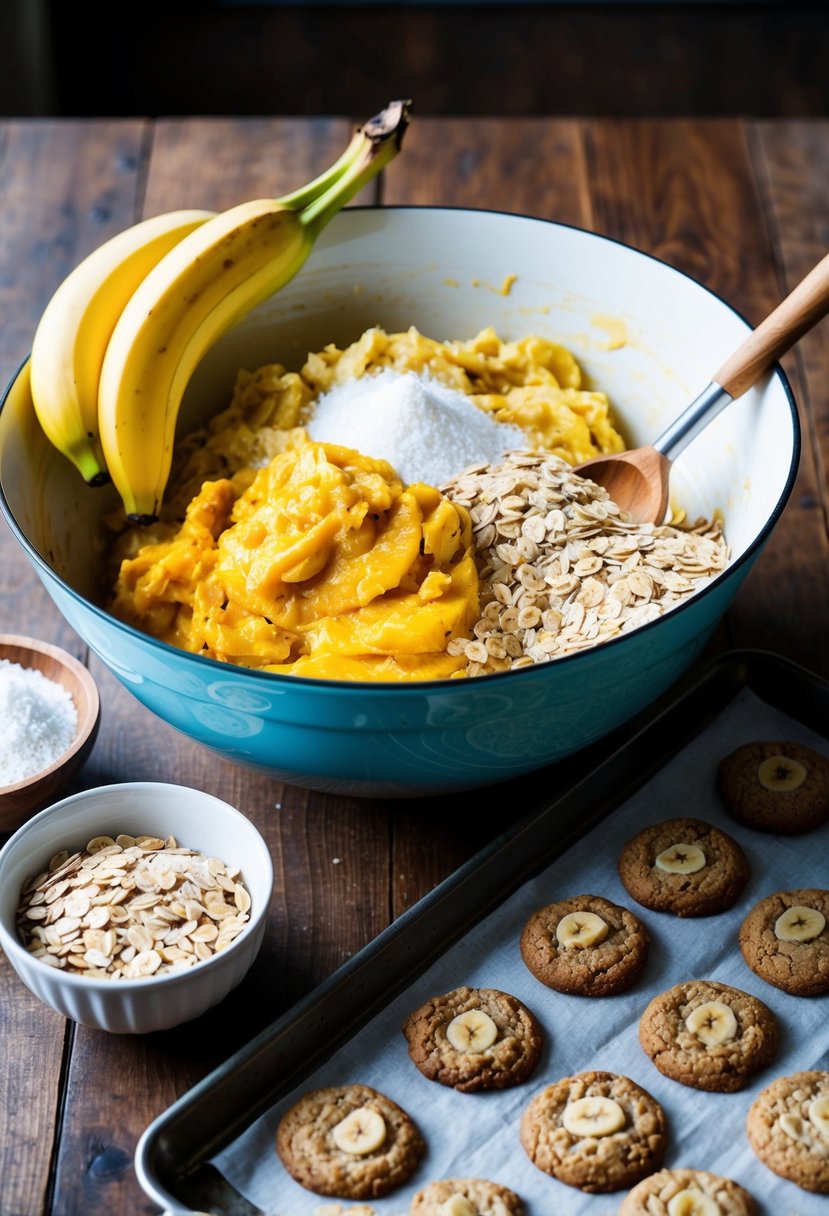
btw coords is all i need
(645, 333)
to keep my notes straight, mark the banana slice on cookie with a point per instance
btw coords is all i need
(712, 1023)
(819, 1115)
(593, 1116)
(781, 774)
(458, 1205)
(360, 1132)
(803, 1130)
(799, 924)
(681, 858)
(580, 929)
(795, 1127)
(692, 1202)
(473, 1030)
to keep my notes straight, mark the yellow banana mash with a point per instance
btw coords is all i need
(324, 565)
(321, 562)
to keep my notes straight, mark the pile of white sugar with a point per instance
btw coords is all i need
(428, 431)
(39, 721)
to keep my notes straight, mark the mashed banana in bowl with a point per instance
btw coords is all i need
(320, 564)
(311, 558)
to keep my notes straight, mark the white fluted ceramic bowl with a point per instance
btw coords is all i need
(197, 820)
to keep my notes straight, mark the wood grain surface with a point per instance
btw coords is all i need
(737, 204)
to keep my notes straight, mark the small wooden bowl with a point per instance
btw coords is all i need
(20, 801)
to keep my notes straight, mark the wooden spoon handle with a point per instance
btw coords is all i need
(800, 310)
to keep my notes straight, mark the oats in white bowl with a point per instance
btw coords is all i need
(130, 907)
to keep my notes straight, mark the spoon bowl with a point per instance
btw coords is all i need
(637, 480)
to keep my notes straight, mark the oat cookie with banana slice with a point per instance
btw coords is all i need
(687, 1192)
(474, 1038)
(788, 1129)
(597, 1131)
(684, 866)
(348, 1142)
(585, 945)
(709, 1035)
(780, 787)
(785, 940)
(466, 1197)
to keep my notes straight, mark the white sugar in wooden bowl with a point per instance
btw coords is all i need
(24, 795)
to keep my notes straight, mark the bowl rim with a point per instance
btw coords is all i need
(85, 679)
(402, 688)
(14, 949)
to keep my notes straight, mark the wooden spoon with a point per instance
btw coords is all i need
(638, 479)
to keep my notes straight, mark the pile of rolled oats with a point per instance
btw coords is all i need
(562, 568)
(131, 907)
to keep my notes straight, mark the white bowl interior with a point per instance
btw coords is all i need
(444, 271)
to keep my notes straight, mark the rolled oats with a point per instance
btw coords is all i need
(131, 907)
(563, 568)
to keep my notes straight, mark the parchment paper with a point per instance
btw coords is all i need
(476, 1135)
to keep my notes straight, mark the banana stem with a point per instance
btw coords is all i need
(306, 194)
(375, 144)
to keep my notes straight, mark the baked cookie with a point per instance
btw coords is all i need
(785, 940)
(688, 1193)
(708, 1035)
(788, 1128)
(585, 945)
(474, 1038)
(348, 1141)
(775, 787)
(466, 1197)
(596, 1131)
(684, 866)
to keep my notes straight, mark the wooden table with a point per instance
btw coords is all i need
(738, 204)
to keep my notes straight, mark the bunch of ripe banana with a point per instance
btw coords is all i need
(122, 335)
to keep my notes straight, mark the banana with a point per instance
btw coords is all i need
(712, 1023)
(203, 286)
(819, 1114)
(472, 1031)
(795, 1128)
(799, 924)
(75, 328)
(458, 1205)
(681, 859)
(361, 1132)
(781, 774)
(593, 1117)
(691, 1202)
(580, 929)
(72, 334)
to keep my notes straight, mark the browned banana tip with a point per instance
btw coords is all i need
(390, 123)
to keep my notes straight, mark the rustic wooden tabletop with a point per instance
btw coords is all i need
(740, 205)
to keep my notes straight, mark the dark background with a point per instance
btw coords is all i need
(66, 58)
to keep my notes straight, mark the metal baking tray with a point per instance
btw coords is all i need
(173, 1156)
